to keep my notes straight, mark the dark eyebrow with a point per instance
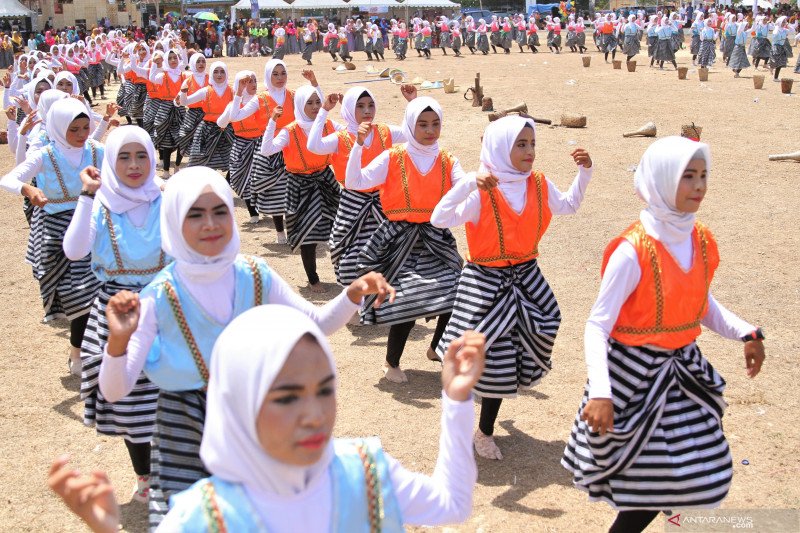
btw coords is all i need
(292, 387)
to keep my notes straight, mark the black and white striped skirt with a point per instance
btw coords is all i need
(134, 100)
(279, 52)
(727, 45)
(175, 454)
(517, 311)
(483, 42)
(191, 120)
(572, 38)
(96, 75)
(308, 50)
(676, 41)
(521, 38)
(420, 261)
(122, 102)
(166, 124)
(762, 49)
(455, 43)
(444, 39)
(494, 38)
(401, 47)
(652, 44)
(241, 160)
(632, 45)
(83, 80)
(581, 39)
(695, 46)
(131, 417)
(419, 41)
(778, 57)
(610, 42)
(211, 146)
(358, 217)
(149, 115)
(667, 449)
(665, 52)
(68, 288)
(470, 39)
(739, 59)
(312, 201)
(533, 39)
(707, 53)
(268, 183)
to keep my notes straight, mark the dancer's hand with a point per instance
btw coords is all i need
(486, 181)
(11, 113)
(22, 103)
(599, 414)
(34, 194)
(122, 314)
(372, 283)
(331, 101)
(408, 91)
(277, 113)
(463, 365)
(90, 497)
(754, 357)
(29, 122)
(581, 158)
(7, 80)
(310, 76)
(111, 108)
(90, 177)
(363, 132)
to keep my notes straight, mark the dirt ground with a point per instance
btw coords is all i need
(751, 207)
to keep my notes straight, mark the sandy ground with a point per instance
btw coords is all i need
(750, 207)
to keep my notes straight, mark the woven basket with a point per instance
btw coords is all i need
(617, 64)
(786, 85)
(758, 81)
(573, 121)
(682, 71)
(631, 66)
(587, 60)
(690, 131)
(702, 74)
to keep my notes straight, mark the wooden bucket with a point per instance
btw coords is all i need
(631, 66)
(758, 81)
(786, 85)
(617, 64)
(587, 60)
(682, 71)
(690, 131)
(702, 74)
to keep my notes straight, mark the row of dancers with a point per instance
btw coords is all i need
(150, 279)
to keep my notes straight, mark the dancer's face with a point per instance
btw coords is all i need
(173, 60)
(365, 109)
(77, 132)
(208, 226)
(523, 153)
(133, 165)
(312, 107)
(219, 75)
(296, 419)
(692, 187)
(428, 128)
(64, 85)
(200, 64)
(278, 77)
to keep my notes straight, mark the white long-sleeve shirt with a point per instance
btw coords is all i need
(440, 499)
(330, 143)
(374, 174)
(272, 144)
(462, 203)
(620, 279)
(242, 111)
(30, 167)
(118, 375)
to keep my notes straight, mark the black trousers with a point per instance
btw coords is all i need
(77, 327)
(308, 253)
(632, 521)
(398, 335)
(140, 457)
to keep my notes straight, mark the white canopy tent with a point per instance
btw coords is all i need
(430, 3)
(12, 8)
(244, 5)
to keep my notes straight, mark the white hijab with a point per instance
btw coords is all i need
(498, 140)
(247, 357)
(241, 75)
(115, 195)
(31, 90)
(70, 77)
(60, 116)
(349, 102)
(173, 73)
(656, 182)
(219, 88)
(279, 95)
(46, 101)
(301, 96)
(182, 191)
(413, 110)
(199, 77)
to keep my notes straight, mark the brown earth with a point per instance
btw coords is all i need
(750, 207)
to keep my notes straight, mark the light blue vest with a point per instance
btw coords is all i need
(779, 38)
(350, 506)
(139, 259)
(664, 32)
(60, 181)
(741, 38)
(179, 358)
(762, 31)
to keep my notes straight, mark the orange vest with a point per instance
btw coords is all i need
(299, 159)
(288, 110)
(410, 195)
(130, 76)
(666, 307)
(213, 105)
(502, 237)
(607, 28)
(168, 89)
(254, 125)
(193, 88)
(381, 140)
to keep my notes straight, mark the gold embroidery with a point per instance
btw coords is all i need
(121, 270)
(400, 154)
(67, 198)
